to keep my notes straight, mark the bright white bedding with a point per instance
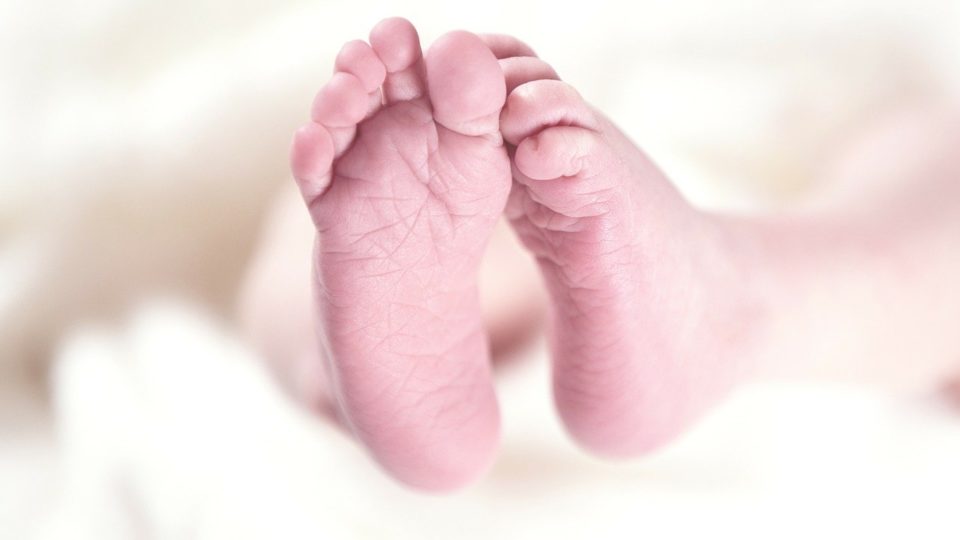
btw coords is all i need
(141, 140)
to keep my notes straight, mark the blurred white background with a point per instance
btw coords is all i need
(141, 141)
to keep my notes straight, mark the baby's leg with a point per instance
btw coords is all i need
(866, 271)
(656, 310)
(660, 308)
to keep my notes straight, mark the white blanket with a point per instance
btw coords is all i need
(140, 142)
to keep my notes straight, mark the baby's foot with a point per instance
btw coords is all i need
(649, 322)
(405, 175)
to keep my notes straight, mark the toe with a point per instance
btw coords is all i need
(570, 173)
(310, 159)
(504, 46)
(536, 105)
(341, 103)
(558, 152)
(396, 42)
(519, 70)
(397, 45)
(466, 84)
(358, 59)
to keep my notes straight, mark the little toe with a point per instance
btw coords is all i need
(341, 103)
(558, 152)
(311, 157)
(536, 105)
(466, 84)
(397, 44)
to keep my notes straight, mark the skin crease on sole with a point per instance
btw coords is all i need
(657, 309)
(642, 335)
(275, 305)
(578, 192)
(405, 175)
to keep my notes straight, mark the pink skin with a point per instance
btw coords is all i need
(404, 193)
(861, 280)
(952, 390)
(658, 309)
(276, 308)
(644, 335)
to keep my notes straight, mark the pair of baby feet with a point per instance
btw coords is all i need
(408, 163)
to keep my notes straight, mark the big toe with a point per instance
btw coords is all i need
(465, 83)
